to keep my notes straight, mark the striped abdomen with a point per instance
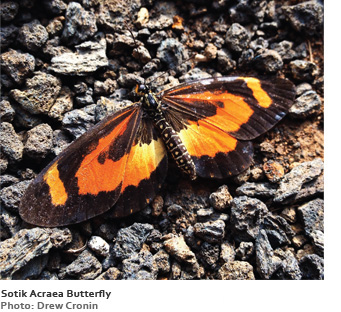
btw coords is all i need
(175, 146)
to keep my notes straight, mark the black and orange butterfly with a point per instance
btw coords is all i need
(121, 163)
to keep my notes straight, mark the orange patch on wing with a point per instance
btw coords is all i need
(57, 190)
(230, 117)
(201, 138)
(259, 94)
(143, 159)
(94, 177)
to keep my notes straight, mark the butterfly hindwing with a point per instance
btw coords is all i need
(87, 178)
(216, 117)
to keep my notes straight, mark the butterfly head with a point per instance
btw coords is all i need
(148, 98)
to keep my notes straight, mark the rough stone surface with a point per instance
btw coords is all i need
(63, 104)
(237, 38)
(307, 104)
(6, 111)
(110, 274)
(303, 70)
(261, 190)
(211, 231)
(33, 35)
(89, 57)
(221, 199)
(236, 270)
(99, 246)
(17, 65)
(39, 94)
(312, 267)
(10, 142)
(269, 61)
(38, 141)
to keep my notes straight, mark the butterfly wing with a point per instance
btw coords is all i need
(88, 177)
(216, 117)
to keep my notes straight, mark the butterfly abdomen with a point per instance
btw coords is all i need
(175, 146)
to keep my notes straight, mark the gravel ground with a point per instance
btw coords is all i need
(65, 65)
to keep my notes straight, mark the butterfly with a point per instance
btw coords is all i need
(121, 163)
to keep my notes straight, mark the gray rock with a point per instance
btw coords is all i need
(162, 262)
(228, 252)
(261, 189)
(99, 246)
(177, 247)
(8, 10)
(110, 274)
(85, 267)
(221, 199)
(194, 74)
(8, 35)
(25, 119)
(246, 58)
(79, 121)
(290, 269)
(3, 162)
(236, 270)
(19, 251)
(10, 142)
(259, 45)
(63, 104)
(209, 255)
(225, 61)
(40, 93)
(284, 49)
(39, 141)
(237, 38)
(303, 70)
(129, 80)
(33, 35)
(9, 224)
(59, 237)
(48, 276)
(60, 141)
(109, 86)
(269, 61)
(17, 65)
(312, 215)
(312, 267)
(157, 37)
(267, 262)
(306, 17)
(54, 7)
(293, 181)
(307, 104)
(278, 231)
(303, 88)
(129, 240)
(211, 231)
(79, 25)
(141, 54)
(139, 266)
(89, 57)
(247, 215)
(85, 99)
(245, 250)
(6, 111)
(7, 180)
(173, 53)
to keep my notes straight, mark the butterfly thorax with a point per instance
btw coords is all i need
(172, 140)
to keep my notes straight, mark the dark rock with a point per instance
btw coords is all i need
(267, 262)
(85, 99)
(60, 141)
(33, 35)
(194, 74)
(9, 224)
(312, 215)
(306, 17)
(139, 266)
(259, 45)
(33, 269)
(312, 267)
(48, 276)
(129, 80)
(278, 230)
(39, 141)
(284, 49)
(40, 93)
(8, 35)
(110, 274)
(129, 240)
(105, 87)
(79, 25)
(107, 106)
(307, 104)
(3, 162)
(228, 252)
(211, 231)
(6, 111)
(85, 267)
(237, 38)
(247, 215)
(55, 7)
(10, 195)
(7, 180)
(293, 181)
(18, 252)
(252, 189)
(303, 70)
(157, 37)
(225, 61)
(221, 199)
(245, 250)
(236, 270)
(10, 142)
(141, 54)
(8, 10)
(89, 57)
(59, 237)
(161, 262)
(17, 65)
(246, 58)
(78, 121)
(290, 269)
(209, 254)
(269, 61)
(173, 53)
